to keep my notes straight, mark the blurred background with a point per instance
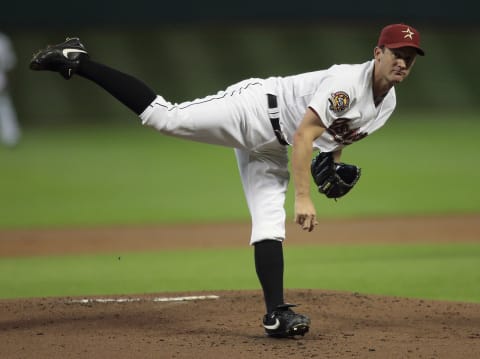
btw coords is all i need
(190, 49)
(79, 145)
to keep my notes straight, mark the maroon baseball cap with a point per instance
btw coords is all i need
(400, 35)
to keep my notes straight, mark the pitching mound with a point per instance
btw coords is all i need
(344, 325)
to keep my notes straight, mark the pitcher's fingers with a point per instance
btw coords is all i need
(307, 224)
(300, 219)
(313, 223)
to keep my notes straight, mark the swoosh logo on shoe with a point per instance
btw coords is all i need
(65, 52)
(273, 326)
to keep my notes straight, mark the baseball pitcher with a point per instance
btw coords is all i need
(326, 110)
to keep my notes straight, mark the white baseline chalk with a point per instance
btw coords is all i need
(130, 300)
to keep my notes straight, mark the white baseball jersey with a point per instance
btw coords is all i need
(7, 59)
(9, 128)
(342, 97)
(238, 117)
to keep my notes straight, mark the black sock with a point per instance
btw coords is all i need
(269, 266)
(130, 91)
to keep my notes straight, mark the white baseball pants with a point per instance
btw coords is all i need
(237, 118)
(9, 129)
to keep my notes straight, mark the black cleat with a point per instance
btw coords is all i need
(63, 58)
(285, 323)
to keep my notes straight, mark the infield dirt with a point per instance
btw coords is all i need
(344, 325)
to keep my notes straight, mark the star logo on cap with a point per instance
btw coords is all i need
(408, 33)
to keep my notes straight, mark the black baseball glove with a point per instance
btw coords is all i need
(334, 180)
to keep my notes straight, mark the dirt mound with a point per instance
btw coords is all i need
(344, 325)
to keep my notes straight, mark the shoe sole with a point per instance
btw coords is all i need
(300, 329)
(35, 64)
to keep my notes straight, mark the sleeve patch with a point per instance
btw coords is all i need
(339, 101)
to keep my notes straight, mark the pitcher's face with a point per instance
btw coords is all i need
(394, 65)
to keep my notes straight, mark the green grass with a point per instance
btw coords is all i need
(447, 271)
(127, 174)
(120, 175)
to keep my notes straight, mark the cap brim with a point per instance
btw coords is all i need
(406, 44)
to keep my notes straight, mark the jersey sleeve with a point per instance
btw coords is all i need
(337, 106)
(333, 101)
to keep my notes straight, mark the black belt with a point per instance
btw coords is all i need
(274, 114)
